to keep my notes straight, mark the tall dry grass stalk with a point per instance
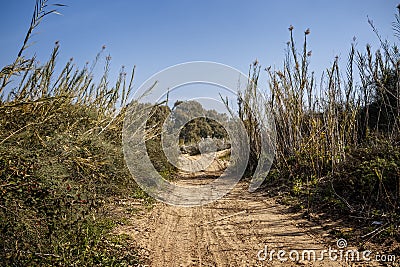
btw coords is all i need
(321, 128)
(319, 124)
(39, 83)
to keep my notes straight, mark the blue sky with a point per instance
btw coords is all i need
(154, 35)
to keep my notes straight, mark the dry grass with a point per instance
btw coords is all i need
(334, 137)
(60, 160)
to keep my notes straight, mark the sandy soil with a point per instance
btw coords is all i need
(228, 232)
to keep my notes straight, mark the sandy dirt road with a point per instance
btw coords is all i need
(229, 232)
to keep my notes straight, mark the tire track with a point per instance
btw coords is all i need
(227, 232)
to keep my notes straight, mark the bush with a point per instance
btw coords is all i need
(61, 160)
(54, 181)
